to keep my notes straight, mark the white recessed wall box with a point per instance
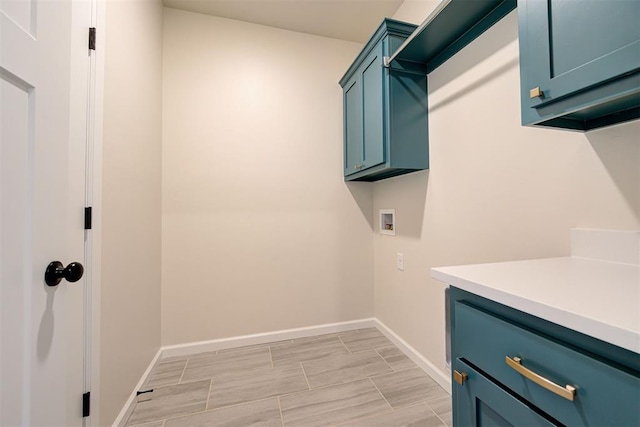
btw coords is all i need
(388, 221)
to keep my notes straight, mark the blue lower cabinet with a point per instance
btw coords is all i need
(481, 402)
(579, 62)
(385, 110)
(507, 362)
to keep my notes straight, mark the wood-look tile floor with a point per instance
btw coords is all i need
(355, 378)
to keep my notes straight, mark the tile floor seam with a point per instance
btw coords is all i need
(206, 405)
(434, 412)
(186, 363)
(221, 408)
(435, 400)
(280, 408)
(362, 349)
(376, 387)
(371, 417)
(135, 403)
(233, 405)
(305, 376)
(365, 418)
(182, 416)
(387, 412)
(318, 391)
(416, 405)
(385, 360)
(320, 388)
(345, 346)
(169, 417)
(389, 346)
(402, 370)
(438, 416)
(195, 380)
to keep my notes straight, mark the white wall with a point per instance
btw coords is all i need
(260, 232)
(131, 214)
(495, 191)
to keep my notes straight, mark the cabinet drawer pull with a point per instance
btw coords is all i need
(460, 377)
(568, 392)
(536, 93)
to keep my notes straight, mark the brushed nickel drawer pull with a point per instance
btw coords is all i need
(568, 392)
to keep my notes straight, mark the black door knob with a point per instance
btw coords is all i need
(55, 272)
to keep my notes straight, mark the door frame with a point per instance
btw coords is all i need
(93, 198)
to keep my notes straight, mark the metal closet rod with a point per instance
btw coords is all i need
(388, 60)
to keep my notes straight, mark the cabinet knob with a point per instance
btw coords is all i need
(459, 377)
(536, 93)
(358, 166)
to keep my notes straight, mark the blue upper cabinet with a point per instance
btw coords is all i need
(385, 110)
(579, 62)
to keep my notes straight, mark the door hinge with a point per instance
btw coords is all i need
(86, 404)
(87, 218)
(92, 38)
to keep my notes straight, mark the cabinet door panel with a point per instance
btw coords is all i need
(572, 45)
(372, 104)
(481, 402)
(584, 23)
(352, 127)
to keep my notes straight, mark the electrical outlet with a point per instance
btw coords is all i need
(400, 261)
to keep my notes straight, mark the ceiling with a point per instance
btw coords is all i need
(352, 20)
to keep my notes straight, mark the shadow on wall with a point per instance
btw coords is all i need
(413, 218)
(498, 72)
(361, 192)
(407, 194)
(620, 155)
(489, 43)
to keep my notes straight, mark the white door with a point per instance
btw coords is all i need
(43, 100)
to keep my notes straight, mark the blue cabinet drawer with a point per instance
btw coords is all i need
(605, 394)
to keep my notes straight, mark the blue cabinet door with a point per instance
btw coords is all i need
(352, 125)
(363, 115)
(570, 47)
(372, 105)
(480, 402)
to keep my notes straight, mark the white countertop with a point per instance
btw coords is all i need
(598, 298)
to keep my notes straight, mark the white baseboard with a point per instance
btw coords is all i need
(282, 335)
(127, 409)
(287, 334)
(438, 376)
